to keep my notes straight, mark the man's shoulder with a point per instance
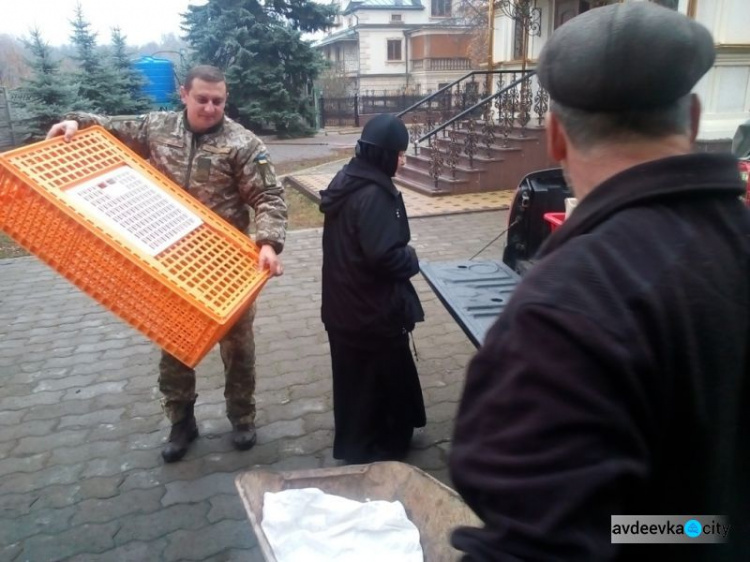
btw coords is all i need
(587, 275)
(161, 121)
(237, 135)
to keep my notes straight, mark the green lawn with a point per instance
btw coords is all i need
(9, 249)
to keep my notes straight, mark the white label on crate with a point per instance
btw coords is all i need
(136, 208)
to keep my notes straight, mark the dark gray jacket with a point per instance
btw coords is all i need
(617, 380)
(367, 260)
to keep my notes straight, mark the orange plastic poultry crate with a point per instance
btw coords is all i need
(175, 271)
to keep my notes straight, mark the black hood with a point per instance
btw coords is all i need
(351, 178)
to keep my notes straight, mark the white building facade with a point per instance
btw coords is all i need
(397, 46)
(724, 91)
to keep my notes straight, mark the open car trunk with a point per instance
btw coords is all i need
(475, 292)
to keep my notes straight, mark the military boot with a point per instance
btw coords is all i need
(182, 434)
(243, 436)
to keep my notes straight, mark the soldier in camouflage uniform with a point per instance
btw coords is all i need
(225, 167)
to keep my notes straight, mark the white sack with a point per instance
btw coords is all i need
(307, 525)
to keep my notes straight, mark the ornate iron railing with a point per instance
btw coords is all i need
(453, 94)
(467, 111)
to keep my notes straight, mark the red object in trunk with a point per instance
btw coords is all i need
(554, 219)
(745, 175)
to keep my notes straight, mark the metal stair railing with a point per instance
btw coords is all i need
(528, 75)
(509, 107)
(444, 89)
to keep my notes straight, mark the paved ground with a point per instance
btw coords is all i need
(81, 477)
(321, 145)
(312, 181)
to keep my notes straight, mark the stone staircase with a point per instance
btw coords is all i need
(472, 143)
(499, 165)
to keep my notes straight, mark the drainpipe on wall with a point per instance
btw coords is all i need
(359, 63)
(490, 46)
(359, 54)
(406, 59)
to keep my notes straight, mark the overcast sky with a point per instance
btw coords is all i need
(141, 21)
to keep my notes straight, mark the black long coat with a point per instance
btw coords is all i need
(367, 260)
(616, 382)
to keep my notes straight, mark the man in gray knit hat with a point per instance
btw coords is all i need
(617, 382)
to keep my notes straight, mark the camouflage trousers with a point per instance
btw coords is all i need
(177, 380)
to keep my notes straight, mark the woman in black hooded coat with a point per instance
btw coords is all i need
(369, 306)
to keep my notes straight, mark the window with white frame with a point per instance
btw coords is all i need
(441, 8)
(394, 49)
(671, 4)
(396, 18)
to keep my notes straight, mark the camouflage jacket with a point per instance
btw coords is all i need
(227, 169)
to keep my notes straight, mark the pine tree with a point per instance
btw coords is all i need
(129, 82)
(45, 96)
(95, 79)
(269, 67)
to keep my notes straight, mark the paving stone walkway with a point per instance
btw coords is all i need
(81, 477)
(313, 180)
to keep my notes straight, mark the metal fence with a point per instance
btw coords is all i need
(8, 138)
(346, 111)
(338, 111)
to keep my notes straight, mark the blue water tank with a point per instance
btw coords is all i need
(160, 79)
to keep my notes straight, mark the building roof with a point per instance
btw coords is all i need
(349, 34)
(355, 5)
(352, 33)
